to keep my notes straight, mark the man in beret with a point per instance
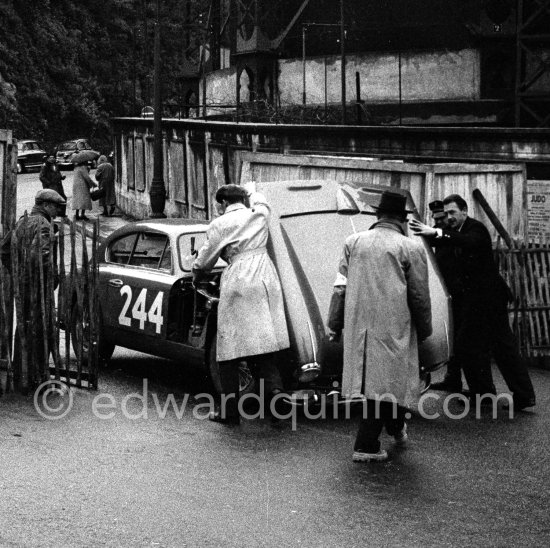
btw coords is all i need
(35, 236)
(387, 313)
(251, 317)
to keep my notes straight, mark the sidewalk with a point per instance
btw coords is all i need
(107, 225)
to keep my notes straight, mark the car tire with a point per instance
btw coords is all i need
(20, 167)
(247, 383)
(79, 325)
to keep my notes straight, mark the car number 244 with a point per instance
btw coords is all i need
(139, 310)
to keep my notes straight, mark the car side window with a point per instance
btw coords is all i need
(120, 250)
(152, 251)
(188, 247)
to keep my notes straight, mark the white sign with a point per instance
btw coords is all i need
(538, 211)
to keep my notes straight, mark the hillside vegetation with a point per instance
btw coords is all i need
(67, 66)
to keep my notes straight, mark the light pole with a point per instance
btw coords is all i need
(157, 193)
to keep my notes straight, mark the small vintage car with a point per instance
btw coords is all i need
(65, 151)
(147, 300)
(30, 155)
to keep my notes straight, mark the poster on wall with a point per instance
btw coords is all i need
(538, 211)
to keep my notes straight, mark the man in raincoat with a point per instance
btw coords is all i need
(387, 312)
(251, 317)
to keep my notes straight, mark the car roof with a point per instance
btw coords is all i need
(171, 227)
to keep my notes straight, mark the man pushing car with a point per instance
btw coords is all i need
(251, 318)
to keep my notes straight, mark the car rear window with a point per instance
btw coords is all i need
(144, 249)
(67, 145)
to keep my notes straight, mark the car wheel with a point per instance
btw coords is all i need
(246, 379)
(79, 335)
(20, 167)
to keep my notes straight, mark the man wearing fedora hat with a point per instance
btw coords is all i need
(387, 312)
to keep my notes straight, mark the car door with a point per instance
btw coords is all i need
(134, 288)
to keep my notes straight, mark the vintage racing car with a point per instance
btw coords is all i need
(147, 300)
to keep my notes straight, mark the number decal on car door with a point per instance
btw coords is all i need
(139, 313)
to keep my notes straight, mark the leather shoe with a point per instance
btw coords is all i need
(215, 416)
(446, 386)
(520, 405)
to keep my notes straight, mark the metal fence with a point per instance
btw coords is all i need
(48, 307)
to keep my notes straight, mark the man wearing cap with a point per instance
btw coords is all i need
(438, 213)
(480, 297)
(387, 312)
(34, 235)
(251, 318)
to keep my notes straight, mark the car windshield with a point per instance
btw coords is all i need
(28, 146)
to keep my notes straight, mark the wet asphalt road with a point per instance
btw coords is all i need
(183, 481)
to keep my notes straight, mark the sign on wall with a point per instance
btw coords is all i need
(538, 211)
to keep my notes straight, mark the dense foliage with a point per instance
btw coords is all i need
(67, 66)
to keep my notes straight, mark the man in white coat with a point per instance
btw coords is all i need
(386, 313)
(251, 317)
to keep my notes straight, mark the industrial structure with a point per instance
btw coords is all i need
(436, 62)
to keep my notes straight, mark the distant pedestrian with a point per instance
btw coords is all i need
(51, 177)
(387, 312)
(105, 176)
(480, 296)
(82, 183)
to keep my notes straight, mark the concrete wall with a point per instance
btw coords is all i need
(220, 89)
(425, 76)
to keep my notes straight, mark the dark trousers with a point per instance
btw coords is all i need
(471, 316)
(479, 333)
(262, 366)
(504, 348)
(379, 414)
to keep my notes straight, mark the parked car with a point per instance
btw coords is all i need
(29, 155)
(147, 301)
(65, 151)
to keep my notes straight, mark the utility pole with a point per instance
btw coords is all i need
(343, 60)
(157, 194)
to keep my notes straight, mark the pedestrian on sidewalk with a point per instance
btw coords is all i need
(51, 177)
(386, 313)
(82, 183)
(105, 176)
(251, 317)
(480, 296)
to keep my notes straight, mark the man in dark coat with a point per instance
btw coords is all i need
(51, 177)
(33, 235)
(480, 297)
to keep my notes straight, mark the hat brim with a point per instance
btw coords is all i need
(386, 210)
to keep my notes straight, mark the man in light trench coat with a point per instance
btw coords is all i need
(251, 316)
(387, 312)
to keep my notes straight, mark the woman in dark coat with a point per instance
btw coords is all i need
(51, 177)
(105, 176)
